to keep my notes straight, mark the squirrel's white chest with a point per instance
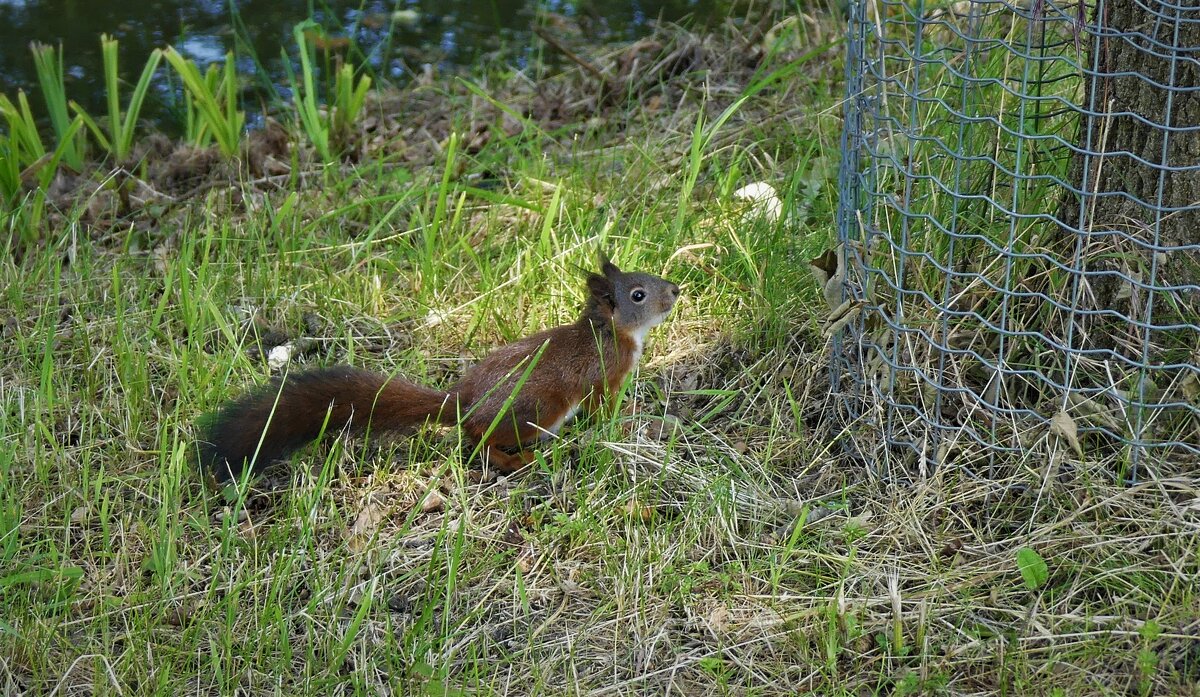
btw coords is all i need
(639, 341)
(553, 428)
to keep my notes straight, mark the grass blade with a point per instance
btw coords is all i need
(134, 109)
(219, 117)
(48, 63)
(24, 140)
(315, 126)
(349, 98)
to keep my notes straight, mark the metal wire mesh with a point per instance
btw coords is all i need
(1020, 228)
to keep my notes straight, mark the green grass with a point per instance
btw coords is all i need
(213, 112)
(716, 544)
(122, 122)
(48, 62)
(327, 128)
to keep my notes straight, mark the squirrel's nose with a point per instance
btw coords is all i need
(674, 291)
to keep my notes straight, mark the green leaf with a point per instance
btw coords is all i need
(22, 129)
(49, 67)
(316, 127)
(39, 576)
(214, 98)
(1033, 568)
(133, 109)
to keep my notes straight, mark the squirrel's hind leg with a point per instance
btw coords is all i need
(499, 441)
(507, 463)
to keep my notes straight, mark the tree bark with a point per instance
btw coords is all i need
(1157, 48)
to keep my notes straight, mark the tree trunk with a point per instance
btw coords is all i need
(1144, 235)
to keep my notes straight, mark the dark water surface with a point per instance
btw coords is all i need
(394, 38)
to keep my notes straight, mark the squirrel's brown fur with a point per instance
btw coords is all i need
(573, 366)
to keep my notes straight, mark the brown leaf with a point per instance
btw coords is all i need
(525, 559)
(826, 263)
(1191, 387)
(433, 502)
(248, 529)
(830, 275)
(80, 515)
(635, 510)
(1063, 426)
(951, 547)
(366, 524)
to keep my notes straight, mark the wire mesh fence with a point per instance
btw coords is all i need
(1020, 229)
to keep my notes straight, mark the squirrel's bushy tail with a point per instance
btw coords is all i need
(290, 412)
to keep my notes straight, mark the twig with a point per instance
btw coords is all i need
(572, 56)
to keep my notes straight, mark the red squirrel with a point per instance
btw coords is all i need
(574, 365)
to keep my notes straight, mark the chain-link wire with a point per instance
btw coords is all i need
(1020, 228)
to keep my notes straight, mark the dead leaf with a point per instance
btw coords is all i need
(830, 274)
(824, 265)
(719, 619)
(80, 515)
(29, 174)
(1191, 387)
(569, 587)
(1091, 412)
(635, 510)
(952, 547)
(161, 257)
(841, 316)
(366, 524)
(103, 205)
(1063, 426)
(664, 429)
(180, 615)
(11, 327)
(433, 502)
(526, 558)
(1129, 284)
(785, 30)
(248, 529)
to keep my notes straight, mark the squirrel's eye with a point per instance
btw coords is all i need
(638, 295)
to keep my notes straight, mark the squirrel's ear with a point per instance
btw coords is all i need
(608, 268)
(602, 290)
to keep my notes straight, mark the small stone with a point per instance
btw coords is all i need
(433, 502)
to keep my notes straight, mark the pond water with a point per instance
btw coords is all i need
(395, 39)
